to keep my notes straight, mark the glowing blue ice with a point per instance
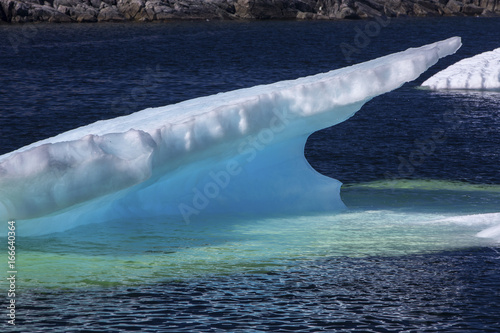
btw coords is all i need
(236, 152)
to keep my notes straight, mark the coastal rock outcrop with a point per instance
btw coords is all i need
(20, 11)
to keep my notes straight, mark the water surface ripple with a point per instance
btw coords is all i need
(454, 291)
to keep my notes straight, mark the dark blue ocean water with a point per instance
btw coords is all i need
(58, 77)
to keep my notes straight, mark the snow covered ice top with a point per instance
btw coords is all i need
(240, 151)
(480, 72)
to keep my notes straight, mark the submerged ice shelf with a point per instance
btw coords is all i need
(234, 152)
(480, 72)
(433, 216)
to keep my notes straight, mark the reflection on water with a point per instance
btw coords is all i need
(478, 97)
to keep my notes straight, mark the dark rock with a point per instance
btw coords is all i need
(274, 9)
(162, 16)
(305, 7)
(347, 13)
(110, 14)
(144, 16)
(130, 8)
(16, 11)
(327, 8)
(377, 5)
(431, 7)
(366, 11)
(307, 16)
(397, 8)
(213, 9)
(150, 10)
(255, 9)
(492, 5)
(43, 13)
(472, 10)
(425, 9)
(452, 7)
(66, 3)
(488, 13)
(5, 14)
(83, 13)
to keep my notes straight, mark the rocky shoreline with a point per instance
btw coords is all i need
(23, 11)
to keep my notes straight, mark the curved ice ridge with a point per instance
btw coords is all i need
(234, 152)
(480, 72)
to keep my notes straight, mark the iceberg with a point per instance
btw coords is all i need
(239, 152)
(480, 72)
(487, 219)
(492, 232)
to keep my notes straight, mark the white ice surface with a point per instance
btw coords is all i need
(234, 152)
(481, 72)
(492, 232)
(490, 221)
